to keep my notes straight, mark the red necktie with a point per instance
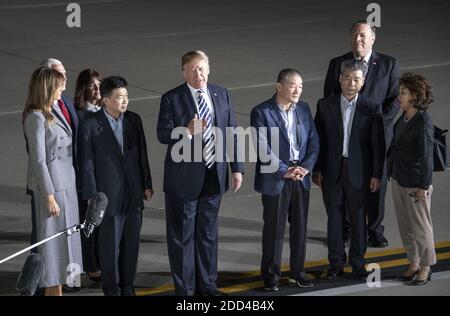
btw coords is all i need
(64, 111)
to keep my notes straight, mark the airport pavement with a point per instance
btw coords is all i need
(248, 43)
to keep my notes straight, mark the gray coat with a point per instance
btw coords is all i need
(50, 171)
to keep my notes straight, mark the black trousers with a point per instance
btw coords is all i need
(337, 198)
(293, 201)
(118, 251)
(192, 238)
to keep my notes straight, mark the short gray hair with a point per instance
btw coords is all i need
(50, 62)
(353, 65)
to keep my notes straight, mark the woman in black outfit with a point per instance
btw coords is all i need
(410, 166)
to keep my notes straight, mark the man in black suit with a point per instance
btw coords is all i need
(113, 160)
(349, 166)
(195, 112)
(381, 88)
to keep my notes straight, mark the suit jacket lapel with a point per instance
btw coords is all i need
(215, 103)
(371, 70)
(275, 112)
(191, 106)
(106, 128)
(60, 119)
(126, 134)
(336, 108)
(300, 127)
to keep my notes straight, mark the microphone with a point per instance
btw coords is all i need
(32, 272)
(94, 213)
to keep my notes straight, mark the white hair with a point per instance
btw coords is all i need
(50, 62)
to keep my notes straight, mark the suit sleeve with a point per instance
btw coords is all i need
(34, 129)
(321, 139)
(86, 156)
(262, 143)
(330, 80)
(425, 143)
(235, 165)
(143, 156)
(391, 105)
(165, 122)
(312, 152)
(378, 146)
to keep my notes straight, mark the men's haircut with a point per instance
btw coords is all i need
(373, 28)
(286, 74)
(420, 88)
(353, 65)
(50, 62)
(111, 83)
(195, 54)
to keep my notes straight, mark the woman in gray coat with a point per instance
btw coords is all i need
(51, 177)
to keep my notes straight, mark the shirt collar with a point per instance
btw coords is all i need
(92, 108)
(366, 58)
(347, 102)
(291, 108)
(112, 118)
(194, 91)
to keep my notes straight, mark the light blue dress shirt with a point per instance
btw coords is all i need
(348, 112)
(117, 127)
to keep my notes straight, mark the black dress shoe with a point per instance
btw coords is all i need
(377, 241)
(94, 278)
(359, 275)
(270, 286)
(334, 273)
(302, 282)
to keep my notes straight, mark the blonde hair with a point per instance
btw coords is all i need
(190, 56)
(44, 83)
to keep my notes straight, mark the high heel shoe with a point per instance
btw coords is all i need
(407, 278)
(423, 282)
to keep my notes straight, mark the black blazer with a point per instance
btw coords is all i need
(412, 154)
(123, 178)
(380, 86)
(366, 145)
(185, 179)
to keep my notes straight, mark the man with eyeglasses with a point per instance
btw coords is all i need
(113, 160)
(350, 165)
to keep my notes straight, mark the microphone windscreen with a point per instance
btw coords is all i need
(96, 209)
(32, 272)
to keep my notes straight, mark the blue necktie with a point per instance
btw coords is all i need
(209, 149)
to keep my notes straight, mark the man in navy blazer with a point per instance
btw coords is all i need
(285, 190)
(196, 113)
(350, 165)
(113, 160)
(380, 88)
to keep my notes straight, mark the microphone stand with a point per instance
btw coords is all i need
(69, 231)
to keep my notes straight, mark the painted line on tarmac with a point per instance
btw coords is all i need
(310, 264)
(363, 287)
(55, 4)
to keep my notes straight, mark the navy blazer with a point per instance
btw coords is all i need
(380, 87)
(267, 114)
(185, 179)
(122, 177)
(366, 149)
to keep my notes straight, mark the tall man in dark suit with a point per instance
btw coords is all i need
(113, 160)
(381, 88)
(194, 187)
(350, 165)
(286, 189)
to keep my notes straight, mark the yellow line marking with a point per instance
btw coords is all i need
(310, 264)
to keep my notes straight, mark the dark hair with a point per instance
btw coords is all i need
(81, 88)
(419, 87)
(111, 83)
(373, 28)
(287, 73)
(353, 65)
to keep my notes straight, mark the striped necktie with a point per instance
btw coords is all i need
(209, 149)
